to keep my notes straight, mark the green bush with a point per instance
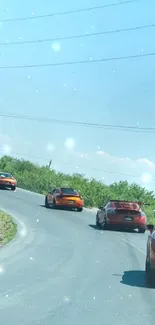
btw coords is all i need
(8, 228)
(40, 179)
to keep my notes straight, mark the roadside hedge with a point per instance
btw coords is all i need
(8, 228)
(40, 179)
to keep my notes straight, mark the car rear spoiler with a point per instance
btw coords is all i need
(124, 201)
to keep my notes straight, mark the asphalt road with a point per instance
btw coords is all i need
(61, 271)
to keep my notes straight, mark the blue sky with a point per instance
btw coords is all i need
(115, 92)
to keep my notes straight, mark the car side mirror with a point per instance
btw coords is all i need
(150, 227)
(102, 208)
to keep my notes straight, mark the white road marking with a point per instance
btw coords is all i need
(131, 244)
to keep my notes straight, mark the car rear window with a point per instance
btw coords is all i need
(69, 191)
(6, 175)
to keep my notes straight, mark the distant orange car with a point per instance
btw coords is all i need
(7, 181)
(64, 197)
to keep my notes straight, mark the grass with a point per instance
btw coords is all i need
(8, 228)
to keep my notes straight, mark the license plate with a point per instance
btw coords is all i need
(7, 183)
(128, 218)
(71, 202)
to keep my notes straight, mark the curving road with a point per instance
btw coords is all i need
(61, 271)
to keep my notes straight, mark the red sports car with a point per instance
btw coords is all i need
(122, 214)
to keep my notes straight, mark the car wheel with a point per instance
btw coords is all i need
(104, 225)
(13, 188)
(141, 230)
(80, 209)
(149, 275)
(98, 225)
(54, 204)
(46, 203)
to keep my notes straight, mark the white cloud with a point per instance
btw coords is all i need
(56, 47)
(145, 161)
(146, 178)
(102, 153)
(138, 161)
(50, 147)
(123, 158)
(69, 143)
(142, 168)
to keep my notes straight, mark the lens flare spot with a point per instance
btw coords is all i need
(69, 143)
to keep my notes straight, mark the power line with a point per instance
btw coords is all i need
(45, 65)
(77, 123)
(68, 12)
(79, 166)
(115, 31)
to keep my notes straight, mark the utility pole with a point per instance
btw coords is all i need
(50, 164)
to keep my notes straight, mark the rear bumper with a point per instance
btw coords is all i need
(127, 225)
(7, 185)
(65, 203)
(69, 206)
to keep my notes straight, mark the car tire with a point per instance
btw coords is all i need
(149, 275)
(13, 188)
(104, 226)
(46, 203)
(98, 225)
(141, 230)
(54, 204)
(80, 209)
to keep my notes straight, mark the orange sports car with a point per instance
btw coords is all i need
(7, 181)
(64, 197)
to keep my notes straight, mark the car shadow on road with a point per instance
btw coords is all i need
(94, 227)
(134, 278)
(4, 189)
(113, 229)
